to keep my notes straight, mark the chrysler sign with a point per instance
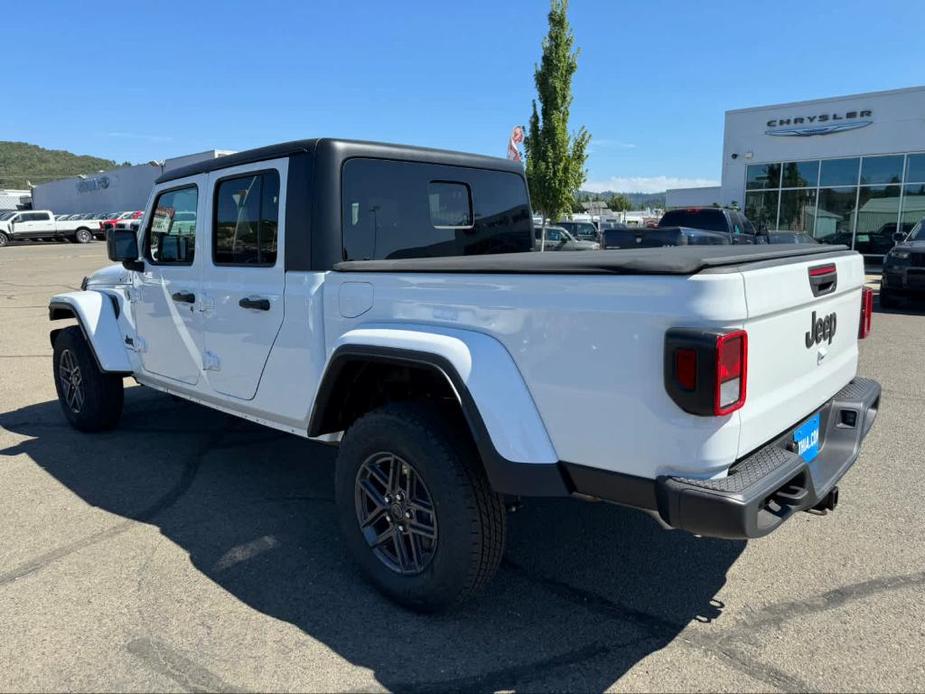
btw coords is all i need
(821, 124)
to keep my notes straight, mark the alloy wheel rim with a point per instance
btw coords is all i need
(71, 381)
(396, 513)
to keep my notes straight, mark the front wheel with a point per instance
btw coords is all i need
(415, 507)
(4, 239)
(90, 399)
(83, 236)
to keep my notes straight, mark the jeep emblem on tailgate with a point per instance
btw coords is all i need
(820, 329)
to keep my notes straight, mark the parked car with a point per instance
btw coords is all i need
(880, 241)
(558, 239)
(111, 221)
(582, 231)
(642, 237)
(394, 308)
(41, 225)
(789, 237)
(904, 267)
(714, 219)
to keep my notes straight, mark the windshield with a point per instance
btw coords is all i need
(918, 232)
(6, 215)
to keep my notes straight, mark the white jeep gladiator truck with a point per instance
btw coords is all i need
(387, 299)
(41, 224)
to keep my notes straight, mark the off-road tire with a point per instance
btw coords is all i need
(100, 403)
(4, 239)
(83, 236)
(470, 516)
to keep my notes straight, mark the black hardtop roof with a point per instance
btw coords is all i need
(341, 149)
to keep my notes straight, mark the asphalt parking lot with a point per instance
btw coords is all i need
(189, 550)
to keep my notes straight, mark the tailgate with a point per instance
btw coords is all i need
(793, 368)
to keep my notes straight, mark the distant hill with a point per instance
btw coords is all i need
(21, 162)
(640, 201)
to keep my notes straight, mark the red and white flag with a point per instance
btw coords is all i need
(517, 136)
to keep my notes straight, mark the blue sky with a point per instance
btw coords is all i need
(148, 80)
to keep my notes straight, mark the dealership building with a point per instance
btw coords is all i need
(118, 190)
(845, 170)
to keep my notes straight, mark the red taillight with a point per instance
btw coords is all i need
(731, 372)
(705, 370)
(867, 312)
(685, 368)
(821, 270)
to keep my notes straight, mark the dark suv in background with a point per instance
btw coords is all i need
(904, 267)
(710, 219)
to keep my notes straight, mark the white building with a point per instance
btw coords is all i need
(848, 169)
(121, 189)
(12, 199)
(693, 197)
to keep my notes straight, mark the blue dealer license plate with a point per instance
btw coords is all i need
(806, 437)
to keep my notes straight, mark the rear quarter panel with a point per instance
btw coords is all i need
(589, 348)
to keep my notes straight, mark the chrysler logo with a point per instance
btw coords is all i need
(822, 124)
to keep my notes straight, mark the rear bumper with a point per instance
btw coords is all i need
(769, 486)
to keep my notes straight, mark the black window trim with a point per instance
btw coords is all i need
(147, 236)
(468, 188)
(246, 174)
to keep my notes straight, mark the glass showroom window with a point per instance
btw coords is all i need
(839, 172)
(882, 169)
(800, 174)
(878, 210)
(913, 209)
(761, 209)
(798, 199)
(835, 214)
(762, 176)
(797, 210)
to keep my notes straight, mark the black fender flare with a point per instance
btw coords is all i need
(506, 476)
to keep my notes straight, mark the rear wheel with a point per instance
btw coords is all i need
(83, 236)
(4, 239)
(415, 507)
(90, 399)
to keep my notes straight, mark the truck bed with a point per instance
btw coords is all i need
(680, 260)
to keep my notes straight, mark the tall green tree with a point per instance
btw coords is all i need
(619, 203)
(555, 159)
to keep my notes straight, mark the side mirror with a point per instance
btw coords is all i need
(122, 246)
(899, 236)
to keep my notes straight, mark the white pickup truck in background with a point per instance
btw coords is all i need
(385, 298)
(41, 224)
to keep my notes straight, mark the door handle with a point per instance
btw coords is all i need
(255, 303)
(184, 297)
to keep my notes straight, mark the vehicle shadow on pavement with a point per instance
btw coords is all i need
(586, 591)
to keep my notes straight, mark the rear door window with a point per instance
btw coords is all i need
(395, 209)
